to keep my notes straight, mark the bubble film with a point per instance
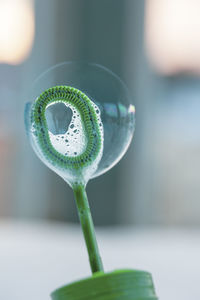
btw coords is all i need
(110, 102)
(71, 147)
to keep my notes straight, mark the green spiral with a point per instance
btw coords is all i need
(90, 122)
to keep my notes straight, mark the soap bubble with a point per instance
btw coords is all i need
(110, 100)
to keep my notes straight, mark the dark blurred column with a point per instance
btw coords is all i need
(141, 180)
(93, 31)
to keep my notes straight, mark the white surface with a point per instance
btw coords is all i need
(37, 258)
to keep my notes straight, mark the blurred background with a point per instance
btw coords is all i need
(154, 47)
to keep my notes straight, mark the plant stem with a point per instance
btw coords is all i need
(88, 228)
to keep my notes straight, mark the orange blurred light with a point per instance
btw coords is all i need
(16, 30)
(172, 35)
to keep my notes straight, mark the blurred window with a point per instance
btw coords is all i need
(172, 35)
(16, 30)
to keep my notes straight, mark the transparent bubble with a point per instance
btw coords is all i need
(111, 102)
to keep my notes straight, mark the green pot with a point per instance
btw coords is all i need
(117, 285)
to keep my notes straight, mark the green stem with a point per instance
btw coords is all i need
(88, 228)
